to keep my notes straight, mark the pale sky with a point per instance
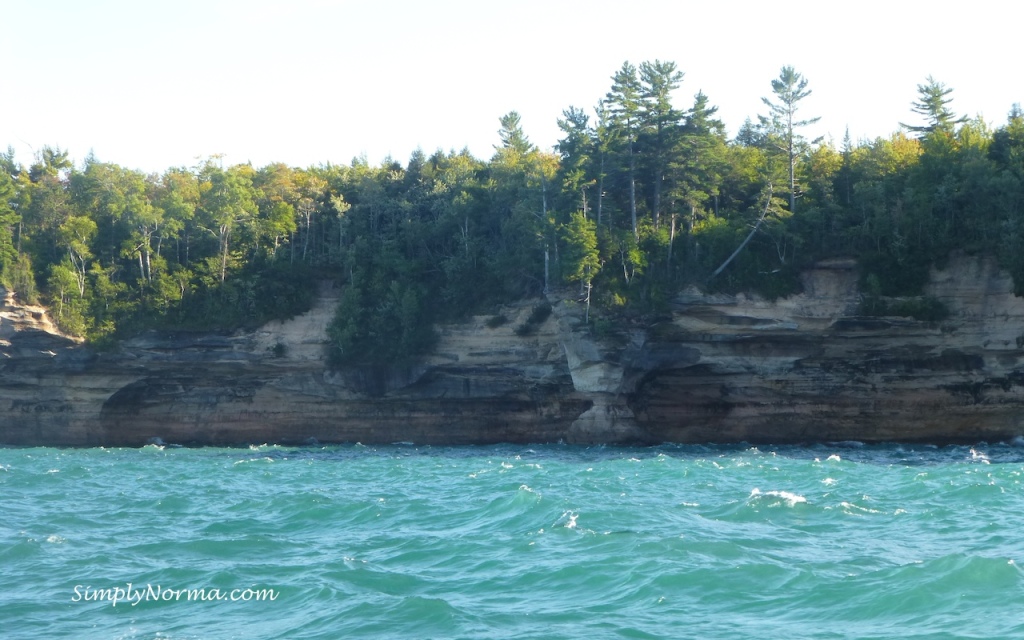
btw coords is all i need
(151, 84)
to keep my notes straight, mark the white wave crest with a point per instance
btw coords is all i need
(791, 499)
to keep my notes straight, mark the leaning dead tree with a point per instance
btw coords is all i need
(757, 225)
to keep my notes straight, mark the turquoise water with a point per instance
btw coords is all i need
(840, 541)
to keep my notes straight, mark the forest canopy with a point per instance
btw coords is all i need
(640, 197)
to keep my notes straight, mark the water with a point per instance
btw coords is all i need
(840, 541)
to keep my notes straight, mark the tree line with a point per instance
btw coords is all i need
(640, 197)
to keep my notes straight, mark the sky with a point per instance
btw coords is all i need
(154, 84)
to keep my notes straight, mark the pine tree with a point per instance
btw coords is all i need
(934, 106)
(623, 104)
(781, 124)
(660, 122)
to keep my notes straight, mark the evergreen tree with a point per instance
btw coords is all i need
(781, 123)
(623, 103)
(660, 123)
(697, 164)
(933, 105)
(576, 151)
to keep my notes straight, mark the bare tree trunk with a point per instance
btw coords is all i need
(544, 221)
(632, 192)
(547, 263)
(224, 231)
(657, 200)
(750, 235)
(305, 241)
(671, 238)
(589, 288)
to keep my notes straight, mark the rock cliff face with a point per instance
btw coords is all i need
(717, 369)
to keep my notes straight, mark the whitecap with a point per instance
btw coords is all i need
(791, 499)
(567, 520)
(853, 508)
(55, 539)
(263, 459)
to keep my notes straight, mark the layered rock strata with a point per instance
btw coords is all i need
(716, 368)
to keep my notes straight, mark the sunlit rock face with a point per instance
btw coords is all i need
(807, 369)
(716, 369)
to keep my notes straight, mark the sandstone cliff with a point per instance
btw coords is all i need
(717, 369)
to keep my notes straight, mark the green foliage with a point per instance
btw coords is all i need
(643, 199)
(19, 277)
(251, 298)
(933, 104)
(537, 317)
(581, 258)
(885, 274)
(383, 330)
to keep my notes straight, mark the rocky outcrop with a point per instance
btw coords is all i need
(716, 369)
(482, 385)
(807, 369)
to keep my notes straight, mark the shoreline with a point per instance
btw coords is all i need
(721, 369)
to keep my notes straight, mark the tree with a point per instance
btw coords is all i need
(603, 145)
(698, 162)
(933, 104)
(227, 200)
(47, 206)
(781, 124)
(178, 196)
(520, 174)
(660, 121)
(768, 207)
(575, 154)
(623, 103)
(582, 258)
(276, 197)
(9, 218)
(75, 236)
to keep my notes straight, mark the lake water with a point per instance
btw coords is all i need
(840, 541)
